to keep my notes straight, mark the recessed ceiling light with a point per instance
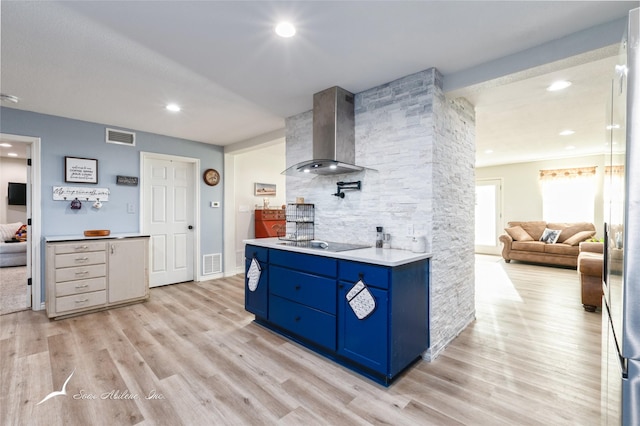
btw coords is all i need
(8, 98)
(488, 151)
(12, 154)
(6, 145)
(566, 132)
(559, 85)
(569, 147)
(285, 29)
(173, 107)
(613, 126)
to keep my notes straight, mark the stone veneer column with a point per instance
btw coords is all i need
(453, 274)
(421, 146)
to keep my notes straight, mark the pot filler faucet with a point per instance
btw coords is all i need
(343, 186)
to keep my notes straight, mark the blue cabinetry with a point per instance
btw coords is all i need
(257, 301)
(396, 333)
(305, 300)
(364, 341)
(302, 296)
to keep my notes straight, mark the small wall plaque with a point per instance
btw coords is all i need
(127, 180)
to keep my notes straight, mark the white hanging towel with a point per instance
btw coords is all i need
(361, 300)
(253, 274)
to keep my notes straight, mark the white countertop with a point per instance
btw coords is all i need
(376, 256)
(81, 237)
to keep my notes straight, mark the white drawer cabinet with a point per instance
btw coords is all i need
(127, 279)
(84, 275)
(81, 259)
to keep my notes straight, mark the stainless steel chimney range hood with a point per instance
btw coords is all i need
(333, 141)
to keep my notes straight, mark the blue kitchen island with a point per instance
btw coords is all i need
(366, 309)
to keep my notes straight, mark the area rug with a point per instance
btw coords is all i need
(13, 292)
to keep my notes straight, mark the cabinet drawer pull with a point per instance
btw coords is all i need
(82, 259)
(82, 285)
(82, 300)
(81, 247)
(297, 319)
(82, 272)
(297, 287)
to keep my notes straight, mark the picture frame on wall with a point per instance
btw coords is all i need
(80, 170)
(265, 190)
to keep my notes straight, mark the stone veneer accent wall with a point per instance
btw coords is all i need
(421, 146)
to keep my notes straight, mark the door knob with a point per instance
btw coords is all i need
(190, 227)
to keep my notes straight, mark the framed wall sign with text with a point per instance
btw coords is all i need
(80, 170)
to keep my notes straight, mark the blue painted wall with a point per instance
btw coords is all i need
(62, 137)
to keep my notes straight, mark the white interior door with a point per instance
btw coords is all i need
(29, 229)
(488, 215)
(168, 197)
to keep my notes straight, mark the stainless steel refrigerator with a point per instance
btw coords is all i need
(621, 277)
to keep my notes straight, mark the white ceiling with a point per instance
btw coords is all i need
(119, 63)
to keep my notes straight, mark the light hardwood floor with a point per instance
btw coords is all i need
(531, 357)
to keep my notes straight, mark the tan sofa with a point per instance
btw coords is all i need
(522, 242)
(590, 270)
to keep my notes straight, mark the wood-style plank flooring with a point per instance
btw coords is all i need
(192, 356)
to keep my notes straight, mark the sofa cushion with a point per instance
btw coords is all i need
(570, 229)
(550, 236)
(535, 246)
(533, 228)
(561, 248)
(579, 237)
(6, 248)
(8, 230)
(518, 234)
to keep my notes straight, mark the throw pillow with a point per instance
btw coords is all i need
(21, 233)
(518, 234)
(571, 230)
(550, 236)
(8, 230)
(579, 237)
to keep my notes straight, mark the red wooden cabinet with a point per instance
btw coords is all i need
(269, 222)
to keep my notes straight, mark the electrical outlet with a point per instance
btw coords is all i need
(410, 230)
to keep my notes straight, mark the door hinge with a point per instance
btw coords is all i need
(28, 281)
(28, 161)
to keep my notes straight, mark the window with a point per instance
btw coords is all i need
(488, 215)
(568, 195)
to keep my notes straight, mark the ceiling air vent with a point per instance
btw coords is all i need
(121, 137)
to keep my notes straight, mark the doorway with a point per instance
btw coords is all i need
(170, 216)
(20, 274)
(488, 213)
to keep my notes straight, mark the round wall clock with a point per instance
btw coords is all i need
(211, 177)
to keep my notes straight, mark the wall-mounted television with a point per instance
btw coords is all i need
(17, 194)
